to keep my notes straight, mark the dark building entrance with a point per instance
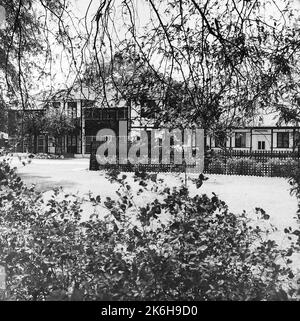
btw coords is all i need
(101, 118)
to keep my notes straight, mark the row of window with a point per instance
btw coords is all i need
(283, 140)
(71, 107)
(95, 113)
(148, 109)
(106, 113)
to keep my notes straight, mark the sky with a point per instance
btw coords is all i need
(2, 16)
(79, 9)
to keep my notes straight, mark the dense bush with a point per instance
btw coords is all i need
(247, 166)
(216, 166)
(200, 252)
(240, 166)
(282, 167)
(235, 166)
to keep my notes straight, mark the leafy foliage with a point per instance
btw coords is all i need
(51, 121)
(30, 29)
(58, 123)
(275, 167)
(176, 247)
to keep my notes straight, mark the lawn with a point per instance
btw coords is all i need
(239, 192)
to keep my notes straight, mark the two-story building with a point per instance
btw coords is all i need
(82, 106)
(86, 108)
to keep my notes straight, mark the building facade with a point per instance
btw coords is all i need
(268, 138)
(90, 118)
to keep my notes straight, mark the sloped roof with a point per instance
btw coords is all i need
(75, 93)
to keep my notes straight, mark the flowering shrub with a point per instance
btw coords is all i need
(200, 251)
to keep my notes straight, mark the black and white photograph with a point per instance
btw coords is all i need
(149, 152)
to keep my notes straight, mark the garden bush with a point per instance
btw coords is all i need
(248, 166)
(282, 167)
(241, 166)
(201, 251)
(216, 166)
(244, 166)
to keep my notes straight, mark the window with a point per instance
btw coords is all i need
(72, 109)
(88, 142)
(97, 113)
(40, 144)
(220, 141)
(262, 145)
(88, 113)
(93, 113)
(71, 144)
(56, 104)
(283, 140)
(122, 113)
(108, 113)
(240, 140)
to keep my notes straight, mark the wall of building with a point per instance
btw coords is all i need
(263, 136)
(256, 135)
